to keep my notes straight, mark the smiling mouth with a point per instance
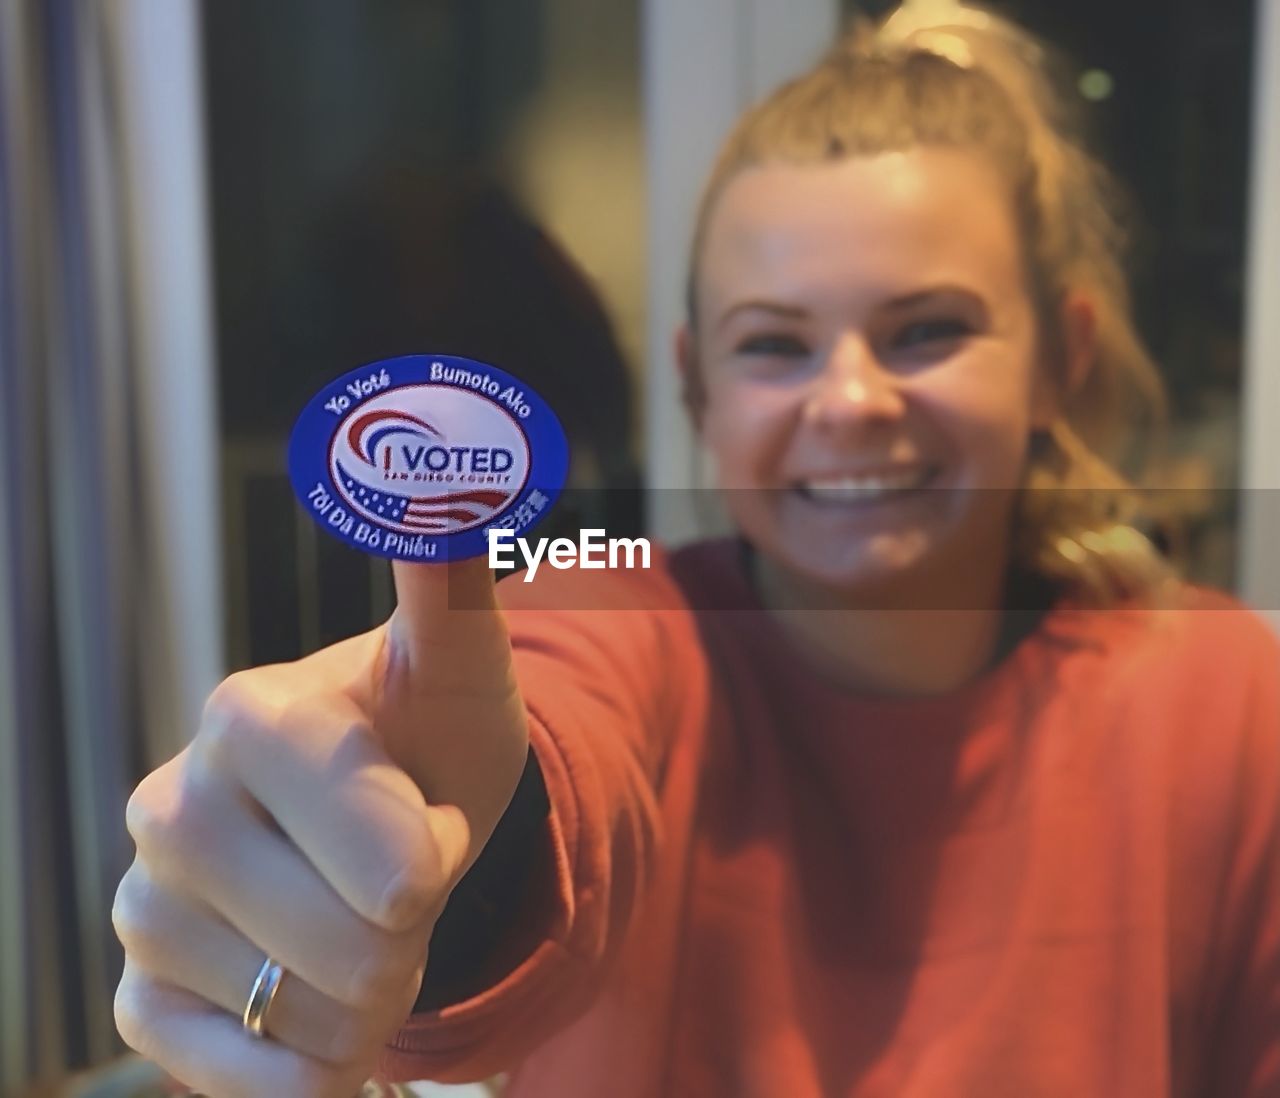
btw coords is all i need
(846, 490)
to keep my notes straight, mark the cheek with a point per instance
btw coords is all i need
(745, 428)
(985, 415)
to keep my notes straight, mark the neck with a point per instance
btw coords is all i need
(915, 640)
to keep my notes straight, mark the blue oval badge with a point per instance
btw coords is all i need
(417, 458)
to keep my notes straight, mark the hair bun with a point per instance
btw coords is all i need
(966, 35)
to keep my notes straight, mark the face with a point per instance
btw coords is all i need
(867, 352)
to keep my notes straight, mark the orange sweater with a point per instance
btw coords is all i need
(1062, 880)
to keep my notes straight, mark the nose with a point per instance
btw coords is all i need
(852, 388)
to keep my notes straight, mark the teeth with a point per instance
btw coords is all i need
(850, 489)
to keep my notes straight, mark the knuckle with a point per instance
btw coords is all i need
(412, 897)
(129, 913)
(381, 973)
(230, 699)
(132, 1017)
(143, 817)
(168, 819)
(234, 716)
(168, 809)
(139, 918)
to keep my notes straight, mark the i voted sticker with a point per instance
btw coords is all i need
(418, 458)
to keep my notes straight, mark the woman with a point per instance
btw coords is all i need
(932, 782)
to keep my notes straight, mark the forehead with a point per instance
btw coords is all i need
(879, 224)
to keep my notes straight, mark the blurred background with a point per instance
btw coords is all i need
(209, 209)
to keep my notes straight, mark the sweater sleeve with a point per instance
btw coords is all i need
(609, 668)
(1244, 1043)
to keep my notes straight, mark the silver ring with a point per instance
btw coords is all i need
(261, 996)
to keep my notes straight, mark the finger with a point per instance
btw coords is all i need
(216, 850)
(183, 943)
(447, 633)
(210, 1052)
(449, 708)
(328, 781)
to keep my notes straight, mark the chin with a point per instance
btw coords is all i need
(881, 571)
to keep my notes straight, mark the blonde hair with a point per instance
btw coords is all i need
(963, 77)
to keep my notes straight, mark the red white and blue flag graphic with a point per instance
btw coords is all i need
(437, 514)
(367, 431)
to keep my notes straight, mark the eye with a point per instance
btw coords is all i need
(773, 344)
(923, 332)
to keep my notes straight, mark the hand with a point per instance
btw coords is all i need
(321, 815)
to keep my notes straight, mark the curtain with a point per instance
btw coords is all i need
(109, 620)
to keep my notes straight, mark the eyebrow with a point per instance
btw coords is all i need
(948, 289)
(799, 312)
(777, 308)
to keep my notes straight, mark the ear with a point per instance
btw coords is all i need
(1079, 338)
(1078, 330)
(691, 388)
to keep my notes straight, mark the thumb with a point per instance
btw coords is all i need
(447, 633)
(448, 710)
